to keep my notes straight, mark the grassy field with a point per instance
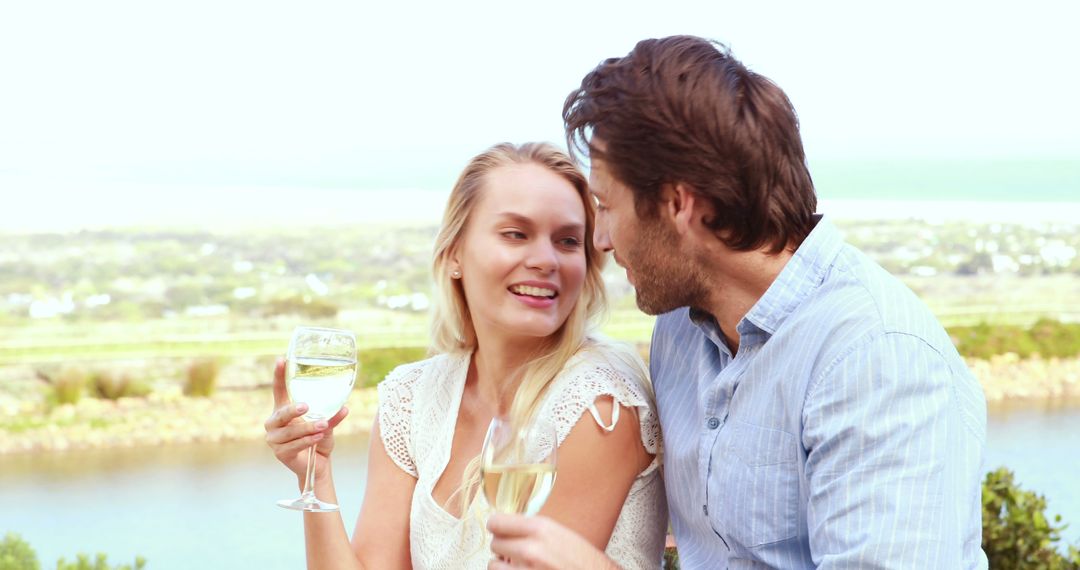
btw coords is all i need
(995, 300)
(87, 342)
(58, 342)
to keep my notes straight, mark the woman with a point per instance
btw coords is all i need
(519, 284)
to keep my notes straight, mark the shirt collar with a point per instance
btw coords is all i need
(704, 321)
(801, 274)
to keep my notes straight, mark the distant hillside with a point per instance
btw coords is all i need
(149, 274)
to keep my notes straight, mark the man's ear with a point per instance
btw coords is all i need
(679, 204)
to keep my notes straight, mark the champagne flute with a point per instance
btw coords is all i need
(517, 464)
(320, 370)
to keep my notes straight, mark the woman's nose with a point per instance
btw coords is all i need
(542, 257)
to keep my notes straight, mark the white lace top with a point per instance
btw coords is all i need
(418, 407)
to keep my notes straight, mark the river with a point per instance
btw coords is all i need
(188, 506)
(212, 506)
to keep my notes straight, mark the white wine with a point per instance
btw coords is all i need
(519, 489)
(321, 383)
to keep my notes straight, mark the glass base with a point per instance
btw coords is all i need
(308, 504)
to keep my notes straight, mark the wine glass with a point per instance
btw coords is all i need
(320, 370)
(518, 465)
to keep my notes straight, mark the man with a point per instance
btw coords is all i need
(814, 412)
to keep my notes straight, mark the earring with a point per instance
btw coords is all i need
(456, 274)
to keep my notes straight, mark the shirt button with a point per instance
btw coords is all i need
(713, 423)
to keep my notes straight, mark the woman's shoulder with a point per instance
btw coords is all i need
(602, 377)
(406, 376)
(606, 364)
(405, 395)
(601, 368)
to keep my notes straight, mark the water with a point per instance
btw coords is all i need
(420, 196)
(191, 506)
(956, 180)
(1039, 446)
(212, 506)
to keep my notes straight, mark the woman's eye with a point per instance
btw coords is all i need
(570, 242)
(513, 234)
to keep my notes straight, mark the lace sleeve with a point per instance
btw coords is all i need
(578, 391)
(395, 415)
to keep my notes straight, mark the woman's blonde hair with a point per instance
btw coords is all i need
(452, 328)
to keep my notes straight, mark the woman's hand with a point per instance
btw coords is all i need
(539, 542)
(290, 436)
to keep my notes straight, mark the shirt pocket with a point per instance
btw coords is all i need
(755, 499)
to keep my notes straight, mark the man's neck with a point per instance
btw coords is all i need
(740, 282)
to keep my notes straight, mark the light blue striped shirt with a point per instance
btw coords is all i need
(845, 433)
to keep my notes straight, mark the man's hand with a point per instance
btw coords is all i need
(539, 542)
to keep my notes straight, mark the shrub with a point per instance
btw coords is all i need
(110, 385)
(202, 378)
(1047, 337)
(1016, 532)
(68, 386)
(1056, 339)
(375, 364)
(671, 559)
(82, 562)
(984, 340)
(16, 554)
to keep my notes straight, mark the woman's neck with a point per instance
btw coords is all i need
(496, 367)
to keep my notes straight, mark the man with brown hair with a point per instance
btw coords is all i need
(814, 412)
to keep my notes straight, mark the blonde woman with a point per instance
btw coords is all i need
(519, 286)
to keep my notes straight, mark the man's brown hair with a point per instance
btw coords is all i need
(681, 109)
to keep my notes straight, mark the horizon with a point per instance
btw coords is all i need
(976, 190)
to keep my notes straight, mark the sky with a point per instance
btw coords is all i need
(222, 110)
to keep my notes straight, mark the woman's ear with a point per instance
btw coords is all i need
(454, 264)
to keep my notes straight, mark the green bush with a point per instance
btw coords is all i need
(1056, 339)
(68, 386)
(376, 363)
(110, 385)
(82, 562)
(202, 378)
(1016, 532)
(1047, 337)
(671, 559)
(16, 554)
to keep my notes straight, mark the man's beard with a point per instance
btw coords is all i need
(665, 278)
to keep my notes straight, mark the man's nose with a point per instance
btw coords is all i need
(601, 238)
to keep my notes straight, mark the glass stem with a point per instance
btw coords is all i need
(309, 478)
